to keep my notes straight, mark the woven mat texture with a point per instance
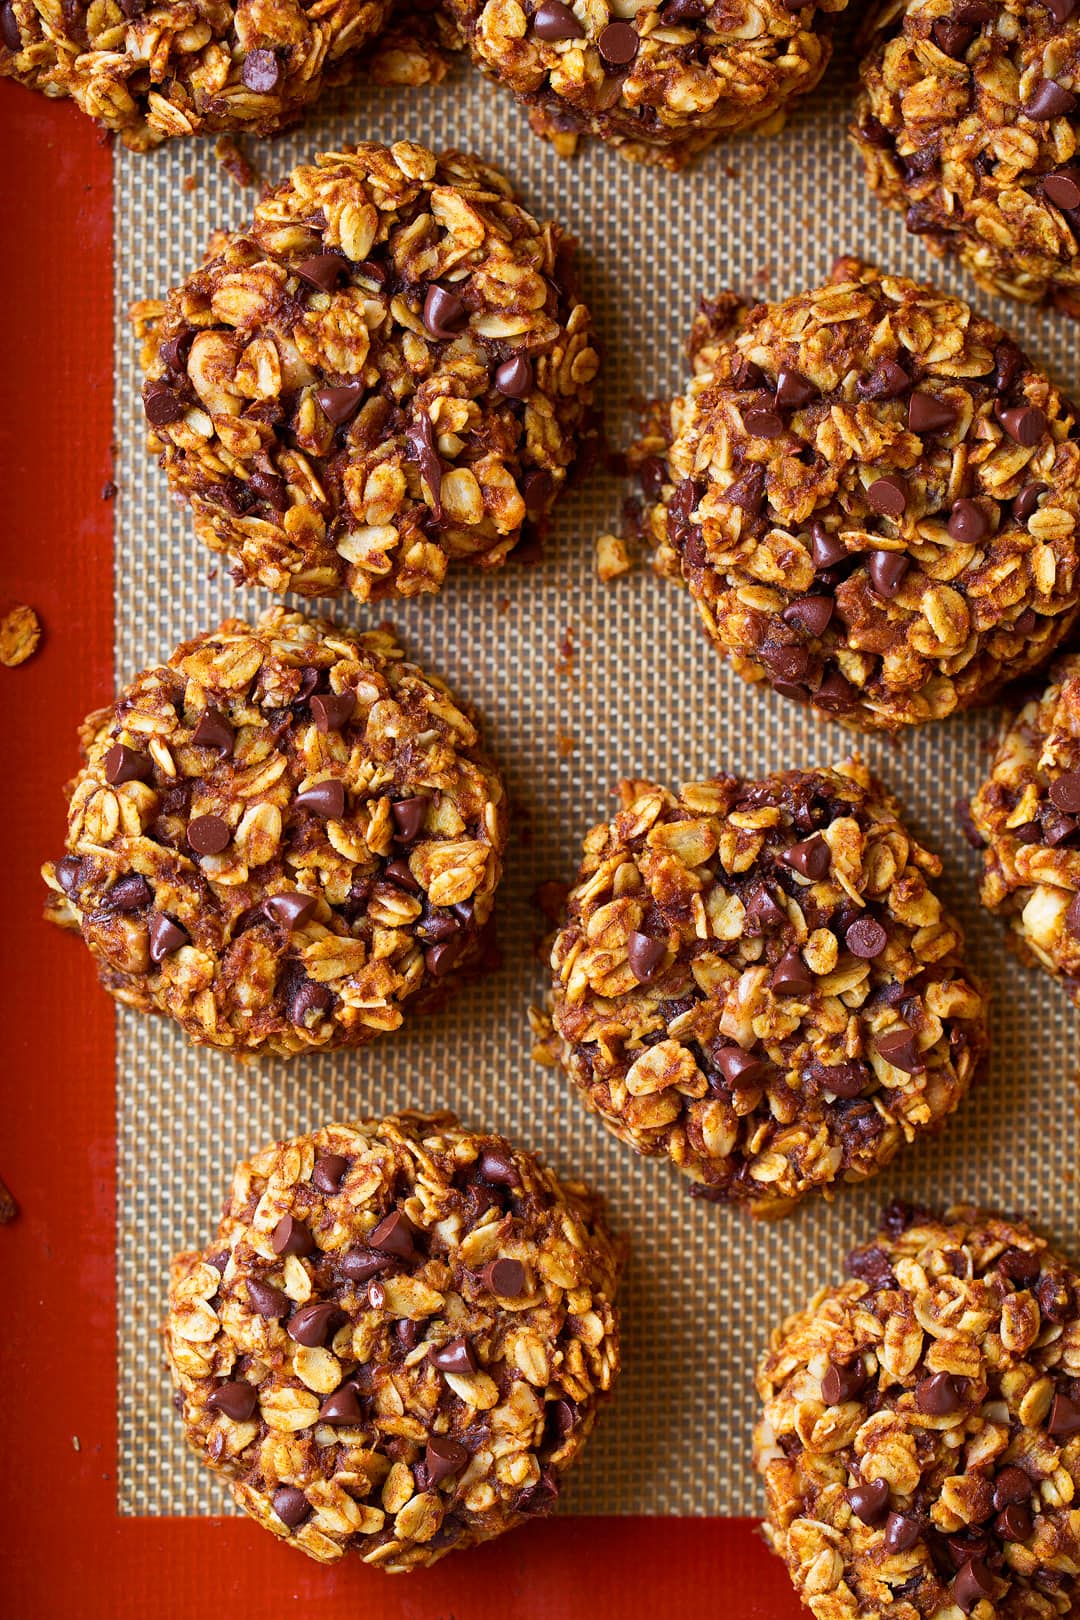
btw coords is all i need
(641, 695)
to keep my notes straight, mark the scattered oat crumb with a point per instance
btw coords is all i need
(189, 183)
(564, 661)
(612, 557)
(235, 161)
(8, 1207)
(20, 633)
(565, 744)
(75, 1443)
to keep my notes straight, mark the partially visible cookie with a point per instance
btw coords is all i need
(873, 497)
(1028, 814)
(152, 69)
(285, 838)
(388, 372)
(920, 1431)
(758, 981)
(661, 81)
(397, 1342)
(967, 123)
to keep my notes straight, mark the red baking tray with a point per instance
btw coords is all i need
(66, 1551)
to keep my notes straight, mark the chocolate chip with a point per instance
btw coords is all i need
(408, 815)
(407, 1334)
(174, 351)
(938, 1394)
(514, 378)
(1025, 424)
(645, 956)
(291, 1236)
(290, 1505)
(747, 491)
(396, 1235)
(165, 936)
(161, 404)
(260, 72)
(812, 614)
(236, 1398)
(342, 403)
(123, 764)
(866, 938)
(888, 495)
(1011, 1485)
(1060, 10)
(332, 710)
(361, 1264)
(898, 1048)
(1026, 504)
(739, 1068)
(325, 799)
(762, 910)
(265, 1299)
(842, 1079)
(974, 11)
(310, 1325)
(444, 1457)
(887, 570)
(540, 1497)
(788, 664)
(972, 1583)
(342, 1407)
(682, 11)
(291, 909)
(129, 893)
(618, 44)
(901, 1532)
(440, 927)
(324, 271)
(842, 1383)
(397, 873)
(1014, 1523)
(1055, 1297)
(9, 27)
(505, 1277)
(928, 414)
(538, 490)
(376, 1295)
(967, 521)
(1062, 190)
(1072, 917)
(952, 38)
(309, 997)
(871, 1266)
(763, 423)
(67, 874)
(811, 859)
(214, 731)
(443, 958)
(1064, 1417)
(793, 390)
(790, 976)
(1019, 1266)
(496, 1166)
(1050, 100)
(1065, 791)
(888, 380)
(458, 1356)
(835, 694)
(826, 550)
(270, 488)
(444, 313)
(208, 835)
(870, 1502)
(746, 374)
(328, 1171)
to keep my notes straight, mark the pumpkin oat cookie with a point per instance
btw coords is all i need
(398, 1340)
(287, 838)
(758, 981)
(388, 372)
(920, 1431)
(873, 497)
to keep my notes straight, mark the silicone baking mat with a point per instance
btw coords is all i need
(577, 683)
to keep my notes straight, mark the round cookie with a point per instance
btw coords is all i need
(398, 1340)
(873, 497)
(154, 70)
(282, 838)
(966, 123)
(920, 1435)
(1026, 813)
(756, 980)
(389, 371)
(659, 81)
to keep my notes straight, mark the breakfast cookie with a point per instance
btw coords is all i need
(398, 1340)
(967, 123)
(920, 1434)
(1028, 814)
(757, 980)
(661, 81)
(389, 371)
(873, 497)
(284, 838)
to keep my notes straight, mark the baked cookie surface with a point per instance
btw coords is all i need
(285, 838)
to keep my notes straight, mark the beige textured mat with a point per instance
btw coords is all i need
(642, 694)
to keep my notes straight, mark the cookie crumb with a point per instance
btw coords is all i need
(235, 161)
(612, 557)
(20, 632)
(8, 1207)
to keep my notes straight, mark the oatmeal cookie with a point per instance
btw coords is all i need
(920, 1434)
(661, 81)
(757, 980)
(965, 123)
(388, 372)
(282, 838)
(151, 69)
(398, 1340)
(873, 497)
(1028, 814)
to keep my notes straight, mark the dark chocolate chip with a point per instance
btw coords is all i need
(682, 11)
(408, 815)
(1065, 791)
(236, 1398)
(270, 488)
(1072, 917)
(747, 491)
(973, 1582)
(214, 731)
(444, 313)
(645, 956)
(793, 390)
(325, 799)
(9, 27)
(331, 711)
(1019, 1266)
(1026, 504)
(967, 521)
(342, 1407)
(443, 958)
(1011, 1485)
(67, 875)
(444, 1457)
(310, 1325)
(812, 614)
(1025, 424)
(791, 976)
(397, 873)
(407, 1334)
(174, 351)
(901, 1532)
(324, 271)
(952, 38)
(811, 859)
(265, 1299)
(618, 44)
(740, 1069)
(1064, 1417)
(888, 495)
(505, 1277)
(376, 1295)
(496, 1166)
(309, 997)
(396, 1235)
(826, 550)
(538, 490)
(342, 403)
(161, 404)
(290, 1505)
(1050, 101)
(1060, 10)
(361, 1264)
(866, 938)
(260, 72)
(291, 909)
(540, 1497)
(842, 1383)
(208, 835)
(887, 570)
(1014, 1523)
(870, 1502)
(888, 380)
(763, 423)
(123, 764)
(898, 1048)
(129, 893)
(457, 1356)
(1062, 190)
(291, 1236)
(928, 414)
(938, 1394)
(514, 378)
(166, 936)
(835, 694)
(328, 1171)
